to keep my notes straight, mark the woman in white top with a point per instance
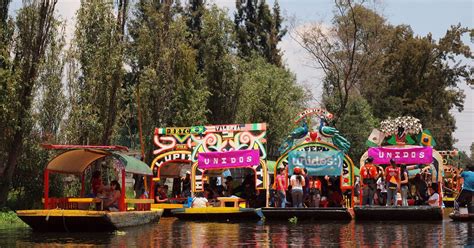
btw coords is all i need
(434, 196)
(297, 183)
(199, 201)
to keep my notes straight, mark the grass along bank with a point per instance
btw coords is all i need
(9, 218)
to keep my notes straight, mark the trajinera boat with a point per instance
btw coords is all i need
(216, 152)
(321, 151)
(86, 213)
(394, 142)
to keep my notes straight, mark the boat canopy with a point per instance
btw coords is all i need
(78, 160)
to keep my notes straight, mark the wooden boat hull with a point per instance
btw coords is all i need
(218, 214)
(461, 217)
(58, 220)
(307, 214)
(378, 213)
(167, 207)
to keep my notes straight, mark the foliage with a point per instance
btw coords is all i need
(259, 30)
(356, 124)
(95, 61)
(21, 60)
(269, 94)
(464, 160)
(164, 65)
(293, 220)
(9, 218)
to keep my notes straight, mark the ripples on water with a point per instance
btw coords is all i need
(174, 233)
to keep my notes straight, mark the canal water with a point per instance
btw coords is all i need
(174, 233)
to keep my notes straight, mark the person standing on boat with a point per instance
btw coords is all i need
(467, 192)
(281, 186)
(297, 183)
(404, 185)
(392, 177)
(368, 174)
(187, 185)
(314, 191)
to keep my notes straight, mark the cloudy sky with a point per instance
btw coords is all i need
(424, 16)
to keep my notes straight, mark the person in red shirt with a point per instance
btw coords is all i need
(392, 177)
(368, 174)
(281, 185)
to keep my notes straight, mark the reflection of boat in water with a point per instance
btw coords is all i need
(70, 214)
(218, 214)
(411, 213)
(307, 214)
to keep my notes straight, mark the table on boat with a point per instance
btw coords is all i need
(235, 200)
(88, 200)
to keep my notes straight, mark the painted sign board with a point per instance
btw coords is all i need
(317, 163)
(228, 159)
(402, 155)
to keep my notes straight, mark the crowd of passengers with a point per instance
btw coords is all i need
(303, 190)
(181, 191)
(391, 186)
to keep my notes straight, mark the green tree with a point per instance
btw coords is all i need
(32, 31)
(259, 30)
(219, 73)
(96, 55)
(419, 76)
(269, 94)
(164, 68)
(356, 123)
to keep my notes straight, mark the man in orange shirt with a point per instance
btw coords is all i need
(392, 177)
(368, 174)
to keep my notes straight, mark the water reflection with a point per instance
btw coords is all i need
(172, 233)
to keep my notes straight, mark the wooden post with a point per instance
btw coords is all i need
(122, 195)
(152, 189)
(46, 188)
(82, 185)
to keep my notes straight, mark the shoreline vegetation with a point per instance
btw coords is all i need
(8, 218)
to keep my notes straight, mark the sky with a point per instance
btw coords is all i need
(424, 16)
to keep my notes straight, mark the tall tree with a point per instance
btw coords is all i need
(165, 69)
(259, 30)
(32, 31)
(419, 76)
(345, 51)
(219, 70)
(269, 94)
(97, 55)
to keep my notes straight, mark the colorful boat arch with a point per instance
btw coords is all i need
(347, 176)
(173, 146)
(225, 138)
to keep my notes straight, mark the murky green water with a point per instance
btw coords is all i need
(175, 233)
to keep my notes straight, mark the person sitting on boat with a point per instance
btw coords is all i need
(96, 183)
(433, 200)
(392, 176)
(297, 183)
(314, 191)
(421, 187)
(112, 203)
(281, 186)
(368, 173)
(229, 186)
(199, 201)
(467, 192)
(335, 198)
(160, 195)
